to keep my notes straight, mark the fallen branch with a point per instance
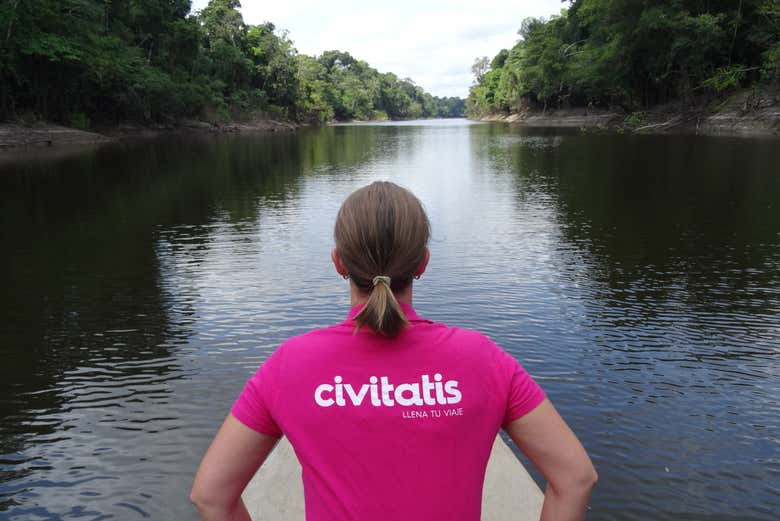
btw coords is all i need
(674, 121)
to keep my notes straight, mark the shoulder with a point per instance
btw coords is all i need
(468, 341)
(470, 336)
(314, 339)
(325, 340)
(299, 349)
(458, 332)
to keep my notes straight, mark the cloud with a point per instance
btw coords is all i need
(488, 30)
(433, 42)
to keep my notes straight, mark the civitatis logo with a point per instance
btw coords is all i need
(381, 392)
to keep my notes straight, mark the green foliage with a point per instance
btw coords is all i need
(105, 61)
(725, 78)
(312, 105)
(632, 54)
(634, 119)
(79, 120)
(771, 66)
(768, 39)
(499, 60)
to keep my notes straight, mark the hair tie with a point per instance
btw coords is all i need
(382, 278)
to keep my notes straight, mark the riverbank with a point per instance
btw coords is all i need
(745, 113)
(16, 136)
(19, 136)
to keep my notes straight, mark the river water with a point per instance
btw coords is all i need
(636, 277)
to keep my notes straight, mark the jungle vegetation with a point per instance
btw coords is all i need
(632, 54)
(87, 62)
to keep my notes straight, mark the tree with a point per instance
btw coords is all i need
(275, 66)
(311, 103)
(479, 68)
(634, 54)
(86, 61)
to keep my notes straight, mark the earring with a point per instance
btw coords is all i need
(345, 276)
(417, 277)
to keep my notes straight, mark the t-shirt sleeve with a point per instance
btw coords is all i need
(523, 393)
(255, 405)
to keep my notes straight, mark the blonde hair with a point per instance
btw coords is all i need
(382, 231)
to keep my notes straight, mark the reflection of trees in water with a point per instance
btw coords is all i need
(348, 147)
(81, 292)
(667, 251)
(661, 215)
(81, 237)
(79, 234)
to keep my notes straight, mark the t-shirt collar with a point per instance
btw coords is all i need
(411, 314)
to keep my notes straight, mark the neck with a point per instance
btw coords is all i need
(358, 296)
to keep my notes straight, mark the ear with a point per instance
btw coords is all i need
(424, 264)
(340, 269)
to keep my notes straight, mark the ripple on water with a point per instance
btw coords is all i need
(655, 334)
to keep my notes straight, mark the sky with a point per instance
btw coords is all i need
(433, 42)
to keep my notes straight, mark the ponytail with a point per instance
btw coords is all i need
(381, 228)
(382, 312)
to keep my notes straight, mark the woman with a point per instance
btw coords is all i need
(392, 416)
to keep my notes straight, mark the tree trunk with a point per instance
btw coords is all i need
(736, 28)
(14, 5)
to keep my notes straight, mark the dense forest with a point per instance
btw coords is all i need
(87, 62)
(632, 54)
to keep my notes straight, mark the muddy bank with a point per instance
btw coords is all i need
(46, 135)
(186, 126)
(16, 137)
(577, 118)
(746, 113)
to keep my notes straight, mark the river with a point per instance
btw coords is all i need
(636, 277)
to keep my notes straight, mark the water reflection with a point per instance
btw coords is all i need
(635, 276)
(668, 254)
(115, 255)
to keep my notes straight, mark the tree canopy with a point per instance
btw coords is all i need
(630, 53)
(108, 61)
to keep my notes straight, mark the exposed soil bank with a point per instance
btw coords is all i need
(45, 135)
(16, 136)
(746, 113)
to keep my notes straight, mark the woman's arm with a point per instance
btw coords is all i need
(230, 462)
(553, 448)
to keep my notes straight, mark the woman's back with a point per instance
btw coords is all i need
(392, 417)
(389, 428)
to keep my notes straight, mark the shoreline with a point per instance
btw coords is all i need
(15, 137)
(746, 113)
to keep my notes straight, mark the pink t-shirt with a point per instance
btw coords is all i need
(390, 429)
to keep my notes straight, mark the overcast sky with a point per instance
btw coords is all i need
(433, 42)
